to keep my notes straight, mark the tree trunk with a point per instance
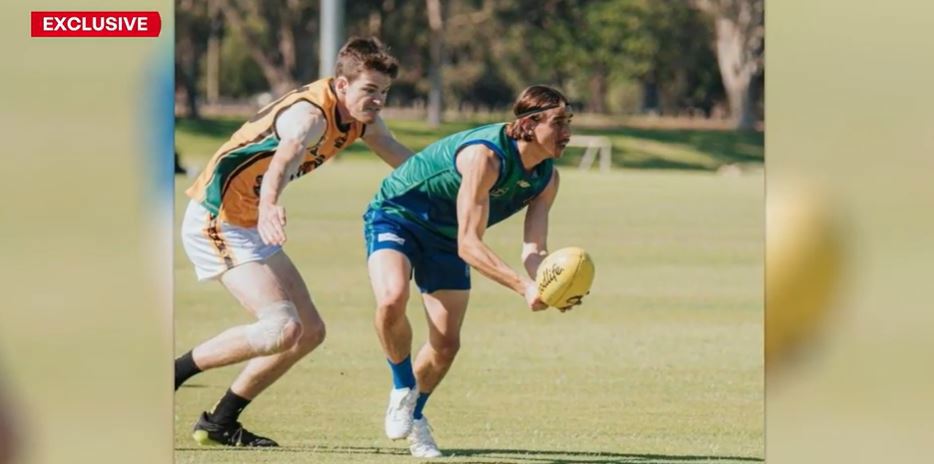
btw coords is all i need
(287, 43)
(650, 100)
(740, 47)
(598, 88)
(736, 72)
(436, 52)
(189, 86)
(306, 46)
(212, 68)
(278, 77)
(186, 73)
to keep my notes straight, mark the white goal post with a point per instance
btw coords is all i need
(593, 146)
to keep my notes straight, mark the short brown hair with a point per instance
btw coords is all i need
(531, 102)
(360, 54)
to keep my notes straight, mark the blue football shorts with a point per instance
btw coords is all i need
(435, 262)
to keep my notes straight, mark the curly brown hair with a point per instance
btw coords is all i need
(360, 54)
(528, 108)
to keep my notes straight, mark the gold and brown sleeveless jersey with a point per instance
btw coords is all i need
(229, 185)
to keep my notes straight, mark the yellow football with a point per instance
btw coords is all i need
(564, 277)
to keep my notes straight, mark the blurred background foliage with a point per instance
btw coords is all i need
(679, 58)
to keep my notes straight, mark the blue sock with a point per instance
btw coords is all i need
(402, 374)
(420, 404)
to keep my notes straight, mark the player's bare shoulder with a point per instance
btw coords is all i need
(302, 121)
(477, 159)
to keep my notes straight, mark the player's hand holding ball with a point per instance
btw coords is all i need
(564, 277)
(532, 298)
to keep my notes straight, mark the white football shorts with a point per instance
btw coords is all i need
(214, 246)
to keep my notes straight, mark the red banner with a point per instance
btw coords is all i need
(96, 24)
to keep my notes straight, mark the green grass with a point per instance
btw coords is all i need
(681, 149)
(662, 364)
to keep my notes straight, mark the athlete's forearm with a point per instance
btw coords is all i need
(392, 152)
(274, 177)
(479, 256)
(535, 238)
(400, 153)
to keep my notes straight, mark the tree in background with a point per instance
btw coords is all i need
(402, 25)
(435, 62)
(277, 35)
(740, 44)
(596, 50)
(682, 74)
(192, 28)
(668, 57)
(213, 60)
(470, 76)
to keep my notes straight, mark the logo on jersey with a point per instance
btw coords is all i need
(340, 141)
(257, 185)
(390, 237)
(316, 161)
(499, 192)
(523, 184)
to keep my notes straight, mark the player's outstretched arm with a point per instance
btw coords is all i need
(535, 238)
(535, 241)
(296, 126)
(479, 168)
(381, 141)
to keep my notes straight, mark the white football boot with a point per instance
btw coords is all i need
(399, 412)
(421, 443)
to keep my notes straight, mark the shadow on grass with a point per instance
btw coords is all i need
(739, 146)
(491, 455)
(633, 148)
(623, 159)
(194, 385)
(717, 147)
(220, 128)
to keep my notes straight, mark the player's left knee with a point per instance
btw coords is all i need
(447, 347)
(313, 335)
(276, 329)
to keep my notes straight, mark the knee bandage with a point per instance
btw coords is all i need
(267, 334)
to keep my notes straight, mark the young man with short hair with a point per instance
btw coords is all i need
(234, 227)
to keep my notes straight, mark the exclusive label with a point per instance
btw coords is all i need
(96, 23)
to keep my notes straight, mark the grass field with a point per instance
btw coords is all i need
(632, 147)
(662, 364)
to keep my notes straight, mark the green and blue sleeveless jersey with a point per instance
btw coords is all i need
(423, 190)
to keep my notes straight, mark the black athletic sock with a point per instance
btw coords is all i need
(228, 409)
(185, 368)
